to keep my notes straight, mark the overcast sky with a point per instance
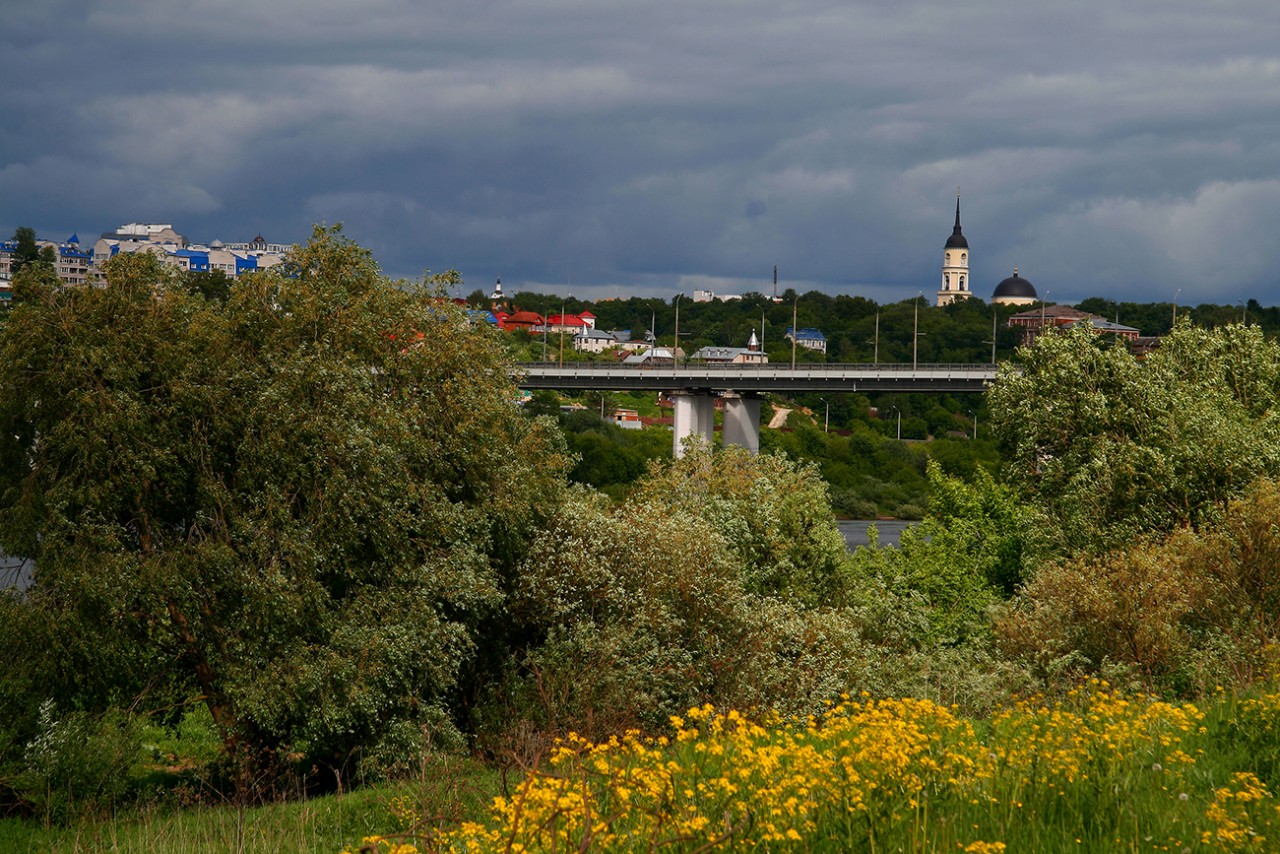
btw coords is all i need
(1126, 148)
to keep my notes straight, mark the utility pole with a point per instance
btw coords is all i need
(915, 332)
(562, 305)
(875, 354)
(675, 349)
(1175, 306)
(993, 343)
(794, 302)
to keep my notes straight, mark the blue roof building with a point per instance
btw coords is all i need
(810, 339)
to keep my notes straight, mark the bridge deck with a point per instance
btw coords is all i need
(758, 378)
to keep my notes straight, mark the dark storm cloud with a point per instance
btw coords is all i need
(1103, 148)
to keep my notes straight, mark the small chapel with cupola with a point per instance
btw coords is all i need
(955, 265)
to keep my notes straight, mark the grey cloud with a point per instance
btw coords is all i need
(651, 146)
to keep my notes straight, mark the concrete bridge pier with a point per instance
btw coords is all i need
(741, 421)
(694, 416)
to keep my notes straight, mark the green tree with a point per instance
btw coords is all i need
(773, 511)
(298, 506)
(25, 249)
(210, 284)
(1111, 449)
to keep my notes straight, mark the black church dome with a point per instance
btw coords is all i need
(1015, 286)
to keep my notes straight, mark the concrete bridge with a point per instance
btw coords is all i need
(694, 387)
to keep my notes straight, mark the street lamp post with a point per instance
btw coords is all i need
(563, 303)
(675, 346)
(794, 333)
(915, 331)
(875, 354)
(826, 418)
(899, 411)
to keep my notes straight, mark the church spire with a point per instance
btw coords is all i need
(955, 264)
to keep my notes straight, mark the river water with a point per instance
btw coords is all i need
(855, 531)
(15, 572)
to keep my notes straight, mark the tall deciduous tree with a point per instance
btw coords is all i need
(296, 505)
(1112, 449)
(25, 249)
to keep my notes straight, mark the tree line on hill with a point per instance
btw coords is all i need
(858, 329)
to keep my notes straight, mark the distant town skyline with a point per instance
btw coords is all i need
(1119, 150)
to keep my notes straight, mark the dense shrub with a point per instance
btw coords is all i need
(636, 612)
(1184, 613)
(773, 513)
(724, 579)
(78, 762)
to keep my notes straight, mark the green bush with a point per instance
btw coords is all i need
(848, 504)
(79, 763)
(773, 512)
(1180, 614)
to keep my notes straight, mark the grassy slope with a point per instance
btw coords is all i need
(325, 824)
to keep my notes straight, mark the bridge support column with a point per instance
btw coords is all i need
(741, 421)
(694, 416)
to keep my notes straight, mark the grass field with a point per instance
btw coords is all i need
(1099, 770)
(448, 791)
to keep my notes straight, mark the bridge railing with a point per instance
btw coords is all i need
(814, 367)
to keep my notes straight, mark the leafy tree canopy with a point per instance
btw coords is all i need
(25, 249)
(1111, 449)
(296, 504)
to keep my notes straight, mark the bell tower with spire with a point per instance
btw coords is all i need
(955, 264)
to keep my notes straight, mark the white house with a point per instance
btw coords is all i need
(810, 339)
(594, 341)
